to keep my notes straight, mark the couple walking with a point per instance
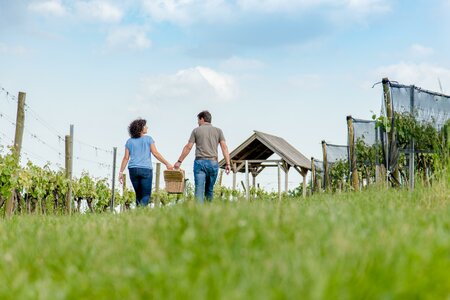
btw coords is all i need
(139, 147)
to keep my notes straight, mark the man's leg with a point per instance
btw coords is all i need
(211, 177)
(199, 180)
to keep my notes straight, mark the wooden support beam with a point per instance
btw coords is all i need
(352, 149)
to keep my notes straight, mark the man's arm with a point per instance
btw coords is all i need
(183, 155)
(226, 155)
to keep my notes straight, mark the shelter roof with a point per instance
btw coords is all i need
(260, 146)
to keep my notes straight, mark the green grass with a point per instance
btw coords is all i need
(374, 244)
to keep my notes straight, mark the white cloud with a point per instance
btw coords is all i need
(129, 37)
(195, 84)
(241, 64)
(14, 50)
(48, 7)
(99, 10)
(191, 11)
(368, 6)
(423, 75)
(186, 11)
(420, 50)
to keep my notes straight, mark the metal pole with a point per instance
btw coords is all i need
(113, 178)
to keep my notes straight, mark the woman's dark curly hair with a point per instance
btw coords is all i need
(136, 127)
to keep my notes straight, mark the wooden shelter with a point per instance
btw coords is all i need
(251, 157)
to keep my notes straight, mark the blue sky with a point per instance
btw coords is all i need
(291, 68)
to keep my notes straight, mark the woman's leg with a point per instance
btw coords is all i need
(146, 185)
(135, 181)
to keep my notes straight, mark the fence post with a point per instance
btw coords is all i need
(68, 166)
(124, 190)
(352, 150)
(391, 134)
(18, 138)
(157, 183)
(313, 176)
(326, 176)
(113, 185)
(411, 154)
(220, 177)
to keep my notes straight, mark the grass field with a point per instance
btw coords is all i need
(375, 244)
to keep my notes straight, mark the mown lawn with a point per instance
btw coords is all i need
(375, 244)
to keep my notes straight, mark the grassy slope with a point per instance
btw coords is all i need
(375, 244)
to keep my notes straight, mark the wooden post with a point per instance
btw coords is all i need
(313, 176)
(325, 166)
(411, 154)
(304, 184)
(68, 166)
(124, 190)
(113, 185)
(286, 177)
(247, 182)
(220, 177)
(157, 182)
(390, 116)
(279, 180)
(378, 176)
(20, 123)
(448, 136)
(234, 176)
(18, 138)
(352, 149)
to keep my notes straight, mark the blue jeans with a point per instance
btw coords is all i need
(205, 175)
(142, 178)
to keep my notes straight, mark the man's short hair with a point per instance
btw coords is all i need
(205, 115)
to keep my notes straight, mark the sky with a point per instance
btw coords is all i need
(291, 68)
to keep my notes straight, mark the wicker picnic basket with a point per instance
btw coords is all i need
(174, 180)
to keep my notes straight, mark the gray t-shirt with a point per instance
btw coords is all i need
(206, 138)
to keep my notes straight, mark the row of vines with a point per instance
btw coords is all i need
(41, 190)
(431, 147)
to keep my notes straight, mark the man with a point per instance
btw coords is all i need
(206, 166)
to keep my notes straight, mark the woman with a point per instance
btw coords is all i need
(138, 150)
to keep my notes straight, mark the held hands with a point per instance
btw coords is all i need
(227, 169)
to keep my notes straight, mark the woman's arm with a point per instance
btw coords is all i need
(125, 159)
(160, 157)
